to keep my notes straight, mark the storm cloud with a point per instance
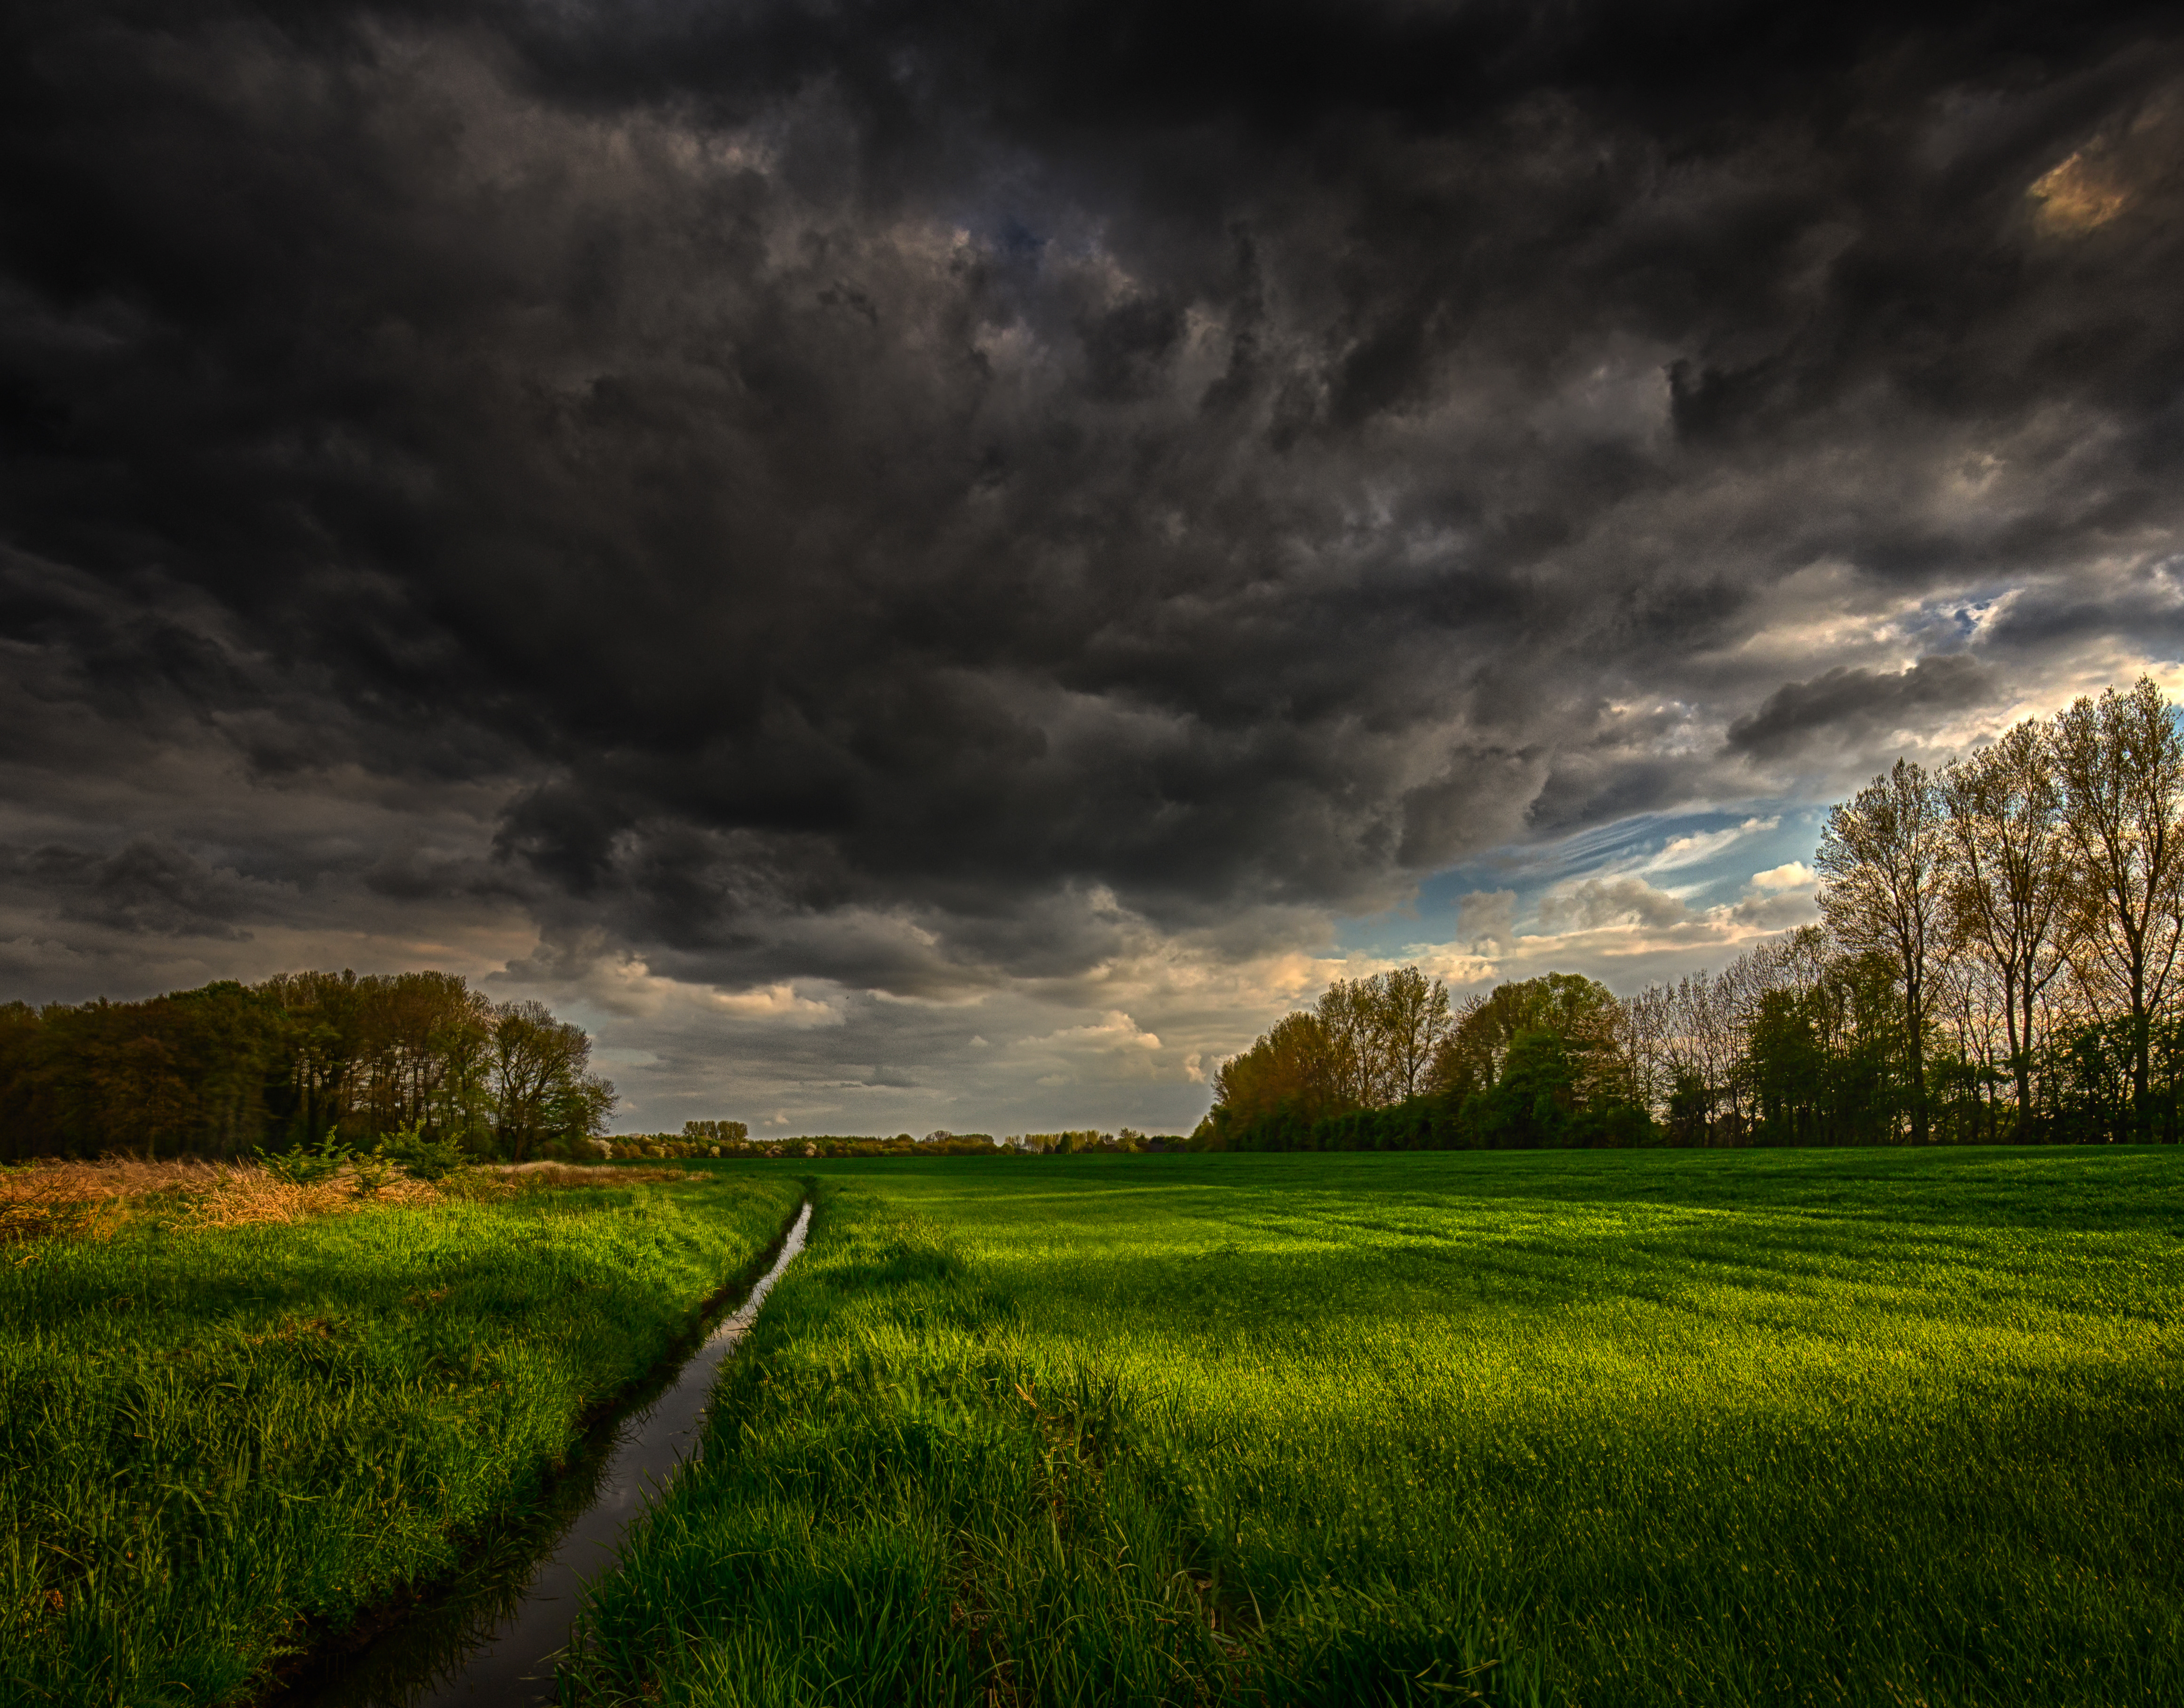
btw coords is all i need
(954, 512)
(1864, 702)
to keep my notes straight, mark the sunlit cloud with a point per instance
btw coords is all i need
(2078, 195)
(1700, 847)
(776, 1001)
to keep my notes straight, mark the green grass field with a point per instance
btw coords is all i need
(218, 1442)
(1764, 1427)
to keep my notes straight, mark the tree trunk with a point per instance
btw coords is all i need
(1916, 1044)
(2021, 1050)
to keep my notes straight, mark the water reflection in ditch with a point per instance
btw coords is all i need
(492, 1635)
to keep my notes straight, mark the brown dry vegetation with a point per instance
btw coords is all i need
(553, 1177)
(90, 1199)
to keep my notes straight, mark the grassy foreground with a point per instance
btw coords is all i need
(215, 1440)
(1832, 1426)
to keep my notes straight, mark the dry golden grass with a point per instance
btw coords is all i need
(32, 1208)
(250, 1194)
(90, 1199)
(553, 1178)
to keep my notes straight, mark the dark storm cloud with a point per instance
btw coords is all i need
(146, 886)
(1847, 705)
(874, 488)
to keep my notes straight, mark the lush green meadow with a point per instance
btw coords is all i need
(1847, 1427)
(217, 1444)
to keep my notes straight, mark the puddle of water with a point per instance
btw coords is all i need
(494, 1640)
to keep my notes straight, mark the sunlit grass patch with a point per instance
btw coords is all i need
(223, 1436)
(1755, 1428)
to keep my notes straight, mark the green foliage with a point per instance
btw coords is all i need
(373, 1169)
(1071, 1142)
(187, 1072)
(307, 1166)
(1532, 1064)
(2087, 1073)
(1367, 1043)
(227, 1070)
(208, 1437)
(422, 1157)
(1581, 1012)
(1822, 1061)
(1792, 1044)
(1532, 1100)
(1820, 1427)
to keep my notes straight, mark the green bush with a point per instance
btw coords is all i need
(374, 1169)
(426, 1158)
(300, 1167)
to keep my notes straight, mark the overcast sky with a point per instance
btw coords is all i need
(942, 566)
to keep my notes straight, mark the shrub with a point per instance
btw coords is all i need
(299, 1167)
(374, 1169)
(426, 1158)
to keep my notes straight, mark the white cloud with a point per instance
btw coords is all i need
(776, 1001)
(1485, 919)
(1700, 846)
(1791, 874)
(1596, 903)
(1773, 913)
(1113, 1030)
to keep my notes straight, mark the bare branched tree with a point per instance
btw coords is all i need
(2122, 764)
(1885, 868)
(2010, 887)
(1647, 1022)
(1412, 1018)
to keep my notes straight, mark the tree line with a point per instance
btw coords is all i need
(732, 1139)
(1996, 962)
(297, 1059)
(1384, 1063)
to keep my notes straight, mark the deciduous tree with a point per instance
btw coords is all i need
(2009, 885)
(1884, 861)
(2122, 764)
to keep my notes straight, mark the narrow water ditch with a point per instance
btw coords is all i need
(492, 1635)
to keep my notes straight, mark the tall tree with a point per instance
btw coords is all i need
(1702, 1047)
(1290, 1065)
(2010, 890)
(1410, 1017)
(1646, 1028)
(1350, 1034)
(1572, 1007)
(1885, 868)
(227, 1069)
(2121, 762)
(541, 1087)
